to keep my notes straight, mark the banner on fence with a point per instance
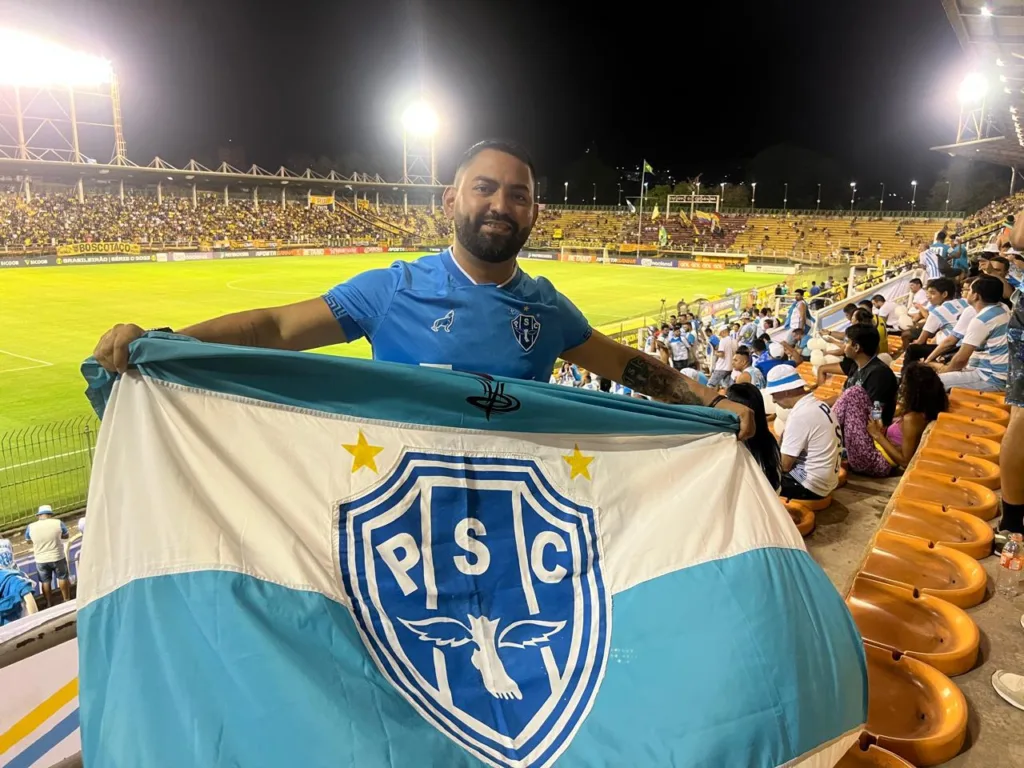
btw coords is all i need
(719, 257)
(633, 248)
(726, 303)
(320, 199)
(771, 269)
(700, 265)
(622, 260)
(666, 263)
(582, 258)
(539, 255)
(76, 249)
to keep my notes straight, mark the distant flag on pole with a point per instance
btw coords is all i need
(324, 561)
(655, 213)
(647, 167)
(632, 208)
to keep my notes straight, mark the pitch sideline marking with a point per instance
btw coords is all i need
(45, 458)
(232, 287)
(39, 363)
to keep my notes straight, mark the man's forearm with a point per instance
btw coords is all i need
(655, 379)
(252, 328)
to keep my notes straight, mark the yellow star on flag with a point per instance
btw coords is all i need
(364, 453)
(578, 463)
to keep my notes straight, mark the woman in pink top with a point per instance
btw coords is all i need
(922, 398)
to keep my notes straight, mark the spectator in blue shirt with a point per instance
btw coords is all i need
(469, 307)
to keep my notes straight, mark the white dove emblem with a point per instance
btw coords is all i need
(481, 632)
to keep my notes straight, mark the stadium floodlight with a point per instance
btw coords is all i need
(31, 62)
(420, 119)
(985, 11)
(1000, 63)
(973, 88)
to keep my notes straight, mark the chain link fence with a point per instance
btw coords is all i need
(45, 464)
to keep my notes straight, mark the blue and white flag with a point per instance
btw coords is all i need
(297, 559)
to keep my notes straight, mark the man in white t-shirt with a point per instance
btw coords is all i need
(678, 348)
(886, 310)
(721, 372)
(918, 297)
(812, 442)
(47, 536)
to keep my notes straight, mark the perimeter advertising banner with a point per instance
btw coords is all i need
(76, 249)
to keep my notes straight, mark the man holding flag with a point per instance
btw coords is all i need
(469, 308)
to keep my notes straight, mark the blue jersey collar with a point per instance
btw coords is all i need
(461, 278)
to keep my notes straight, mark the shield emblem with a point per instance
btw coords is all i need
(478, 589)
(526, 329)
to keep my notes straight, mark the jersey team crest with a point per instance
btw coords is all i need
(478, 589)
(526, 329)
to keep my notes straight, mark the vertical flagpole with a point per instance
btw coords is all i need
(640, 223)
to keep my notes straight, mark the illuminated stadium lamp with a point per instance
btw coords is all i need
(1000, 63)
(972, 90)
(985, 11)
(31, 62)
(420, 119)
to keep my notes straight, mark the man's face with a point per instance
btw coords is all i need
(935, 298)
(740, 362)
(996, 269)
(915, 285)
(877, 304)
(850, 349)
(492, 205)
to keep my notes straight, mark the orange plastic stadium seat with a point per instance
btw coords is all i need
(997, 399)
(977, 410)
(815, 505)
(913, 709)
(949, 492)
(949, 527)
(981, 447)
(967, 425)
(972, 468)
(931, 568)
(803, 517)
(921, 626)
(871, 756)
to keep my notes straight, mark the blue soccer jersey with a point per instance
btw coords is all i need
(430, 312)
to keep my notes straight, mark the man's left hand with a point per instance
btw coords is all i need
(745, 415)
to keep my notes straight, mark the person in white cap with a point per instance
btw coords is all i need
(811, 444)
(776, 356)
(46, 535)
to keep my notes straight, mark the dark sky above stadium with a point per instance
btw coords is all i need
(693, 87)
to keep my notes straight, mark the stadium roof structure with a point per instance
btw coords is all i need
(193, 172)
(991, 32)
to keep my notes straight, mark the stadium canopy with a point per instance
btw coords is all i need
(991, 32)
(193, 172)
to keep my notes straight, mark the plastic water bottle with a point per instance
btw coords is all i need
(876, 411)
(1011, 566)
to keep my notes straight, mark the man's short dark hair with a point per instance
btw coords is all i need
(498, 145)
(866, 337)
(1001, 260)
(866, 303)
(943, 285)
(988, 288)
(916, 280)
(849, 309)
(744, 350)
(878, 297)
(941, 236)
(800, 291)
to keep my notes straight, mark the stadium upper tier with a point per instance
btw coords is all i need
(55, 217)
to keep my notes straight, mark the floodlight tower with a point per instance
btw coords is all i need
(419, 161)
(57, 104)
(972, 93)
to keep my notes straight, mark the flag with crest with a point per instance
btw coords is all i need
(298, 559)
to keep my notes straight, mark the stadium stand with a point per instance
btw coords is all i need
(580, 227)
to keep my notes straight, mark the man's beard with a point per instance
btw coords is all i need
(492, 248)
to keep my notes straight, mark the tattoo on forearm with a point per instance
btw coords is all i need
(657, 380)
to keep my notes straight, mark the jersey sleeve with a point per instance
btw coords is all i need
(575, 327)
(934, 322)
(977, 333)
(360, 304)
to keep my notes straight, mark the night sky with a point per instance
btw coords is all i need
(703, 88)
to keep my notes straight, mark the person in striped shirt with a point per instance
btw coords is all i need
(934, 259)
(983, 359)
(943, 312)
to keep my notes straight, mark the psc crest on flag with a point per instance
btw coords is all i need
(325, 561)
(506, 672)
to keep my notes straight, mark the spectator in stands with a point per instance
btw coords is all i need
(862, 367)
(815, 288)
(776, 356)
(957, 255)
(743, 370)
(47, 536)
(999, 268)
(722, 368)
(763, 446)
(886, 312)
(15, 587)
(982, 361)
(1011, 461)
(944, 309)
(678, 347)
(810, 444)
(933, 258)
(798, 319)
(921, 399)
(947, 344)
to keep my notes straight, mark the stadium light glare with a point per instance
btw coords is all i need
(420, 119)
(31, 62)
(986, 12)
(972, 89)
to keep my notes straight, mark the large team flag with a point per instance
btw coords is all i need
(297, 559)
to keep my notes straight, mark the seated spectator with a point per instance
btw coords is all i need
(944, 308)
(886, 312)
(776, 356)
(862, 367)
(922, 398)
(983, 358)
(811, 448)
(763, 445)
(743, 370)
(944, 350)
(15, 587)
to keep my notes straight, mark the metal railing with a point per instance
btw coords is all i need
(45, 464)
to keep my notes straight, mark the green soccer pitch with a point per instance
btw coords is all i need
(51, 317)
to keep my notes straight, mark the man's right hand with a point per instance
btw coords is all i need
(112, 350)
